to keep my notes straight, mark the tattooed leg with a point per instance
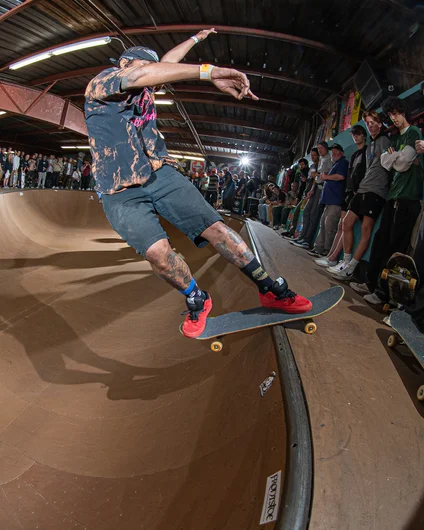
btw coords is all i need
(169, 265)
(229, 244)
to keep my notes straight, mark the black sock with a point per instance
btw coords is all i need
(255, 272)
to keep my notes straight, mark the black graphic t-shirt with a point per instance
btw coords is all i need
(126, 145)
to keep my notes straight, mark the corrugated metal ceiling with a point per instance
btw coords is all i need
(356, 28)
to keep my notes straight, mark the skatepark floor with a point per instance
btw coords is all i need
(110, 419)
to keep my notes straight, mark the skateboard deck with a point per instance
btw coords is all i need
(402, 280)
(261, 317)
(406, 329)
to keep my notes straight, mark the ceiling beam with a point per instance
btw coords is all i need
(32, 103)
(220, 154)
(246, 103)
(219, 145)
(190, 28)
(18, 9)
(223, 120)
(225, 135)
(94, 70)
(269, 98)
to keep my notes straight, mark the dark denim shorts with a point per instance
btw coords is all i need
(133, 213)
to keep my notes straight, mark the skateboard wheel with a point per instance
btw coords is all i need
(420, 393)
(386, 308)
(412, 284)
(392, 341)
(385, 274)
(310, 328)
(217, 345)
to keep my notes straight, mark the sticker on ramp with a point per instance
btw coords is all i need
(271, 499)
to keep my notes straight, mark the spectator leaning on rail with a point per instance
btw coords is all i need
(313, 209)
(138, 179)
(301, 177)
(313, 168)
(43, 165)
(368, 201)
(403, 205)
(356, 173)
(16, 167)
(332, 198)
(212, 191)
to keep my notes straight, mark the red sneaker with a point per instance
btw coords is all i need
(198, 310)
(291, 303)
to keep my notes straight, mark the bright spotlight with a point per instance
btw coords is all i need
(245, 160)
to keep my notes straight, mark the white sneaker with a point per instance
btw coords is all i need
(324, 262)
(340, 266)
(372, 298)
(361, 288)
(345, 273)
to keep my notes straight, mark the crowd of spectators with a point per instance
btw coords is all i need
(221, 188)
(22, 170)
(382, 180)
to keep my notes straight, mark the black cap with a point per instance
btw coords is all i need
(337, 146)
(324, 144)
(137, 52)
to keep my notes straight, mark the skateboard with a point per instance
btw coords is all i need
(402, 280)
(262, 317)
(408, 333)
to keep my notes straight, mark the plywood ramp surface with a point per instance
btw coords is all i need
(109, 418)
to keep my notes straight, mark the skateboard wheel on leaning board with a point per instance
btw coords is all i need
(392, 341)
(217, 345)
(385, 274)
(310, 327)
(420, 393)
(386, 308)
(412, 284)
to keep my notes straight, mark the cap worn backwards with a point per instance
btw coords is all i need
(137, 52)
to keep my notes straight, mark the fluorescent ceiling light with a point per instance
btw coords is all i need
(59, 51)
(68, 147)
(164, 102)
(30, 60)
(195, 158)
(160, 92)
(2, 112)
(83, 147)
(81, 45)
(186, 157)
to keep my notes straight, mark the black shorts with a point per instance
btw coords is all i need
(367, 205)
(133, 212)
(348, 197)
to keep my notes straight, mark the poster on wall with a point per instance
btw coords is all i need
(197, 165)
(356, 109)
(346, 111)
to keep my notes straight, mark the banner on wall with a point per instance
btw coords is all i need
(197, 165)
(356, 109)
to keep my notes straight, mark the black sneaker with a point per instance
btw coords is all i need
(314, 253)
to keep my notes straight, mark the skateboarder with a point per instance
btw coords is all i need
(138, 179)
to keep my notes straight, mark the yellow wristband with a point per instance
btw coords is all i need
(206, 71)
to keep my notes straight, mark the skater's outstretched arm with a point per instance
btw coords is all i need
(151, 74)
(178, 53)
